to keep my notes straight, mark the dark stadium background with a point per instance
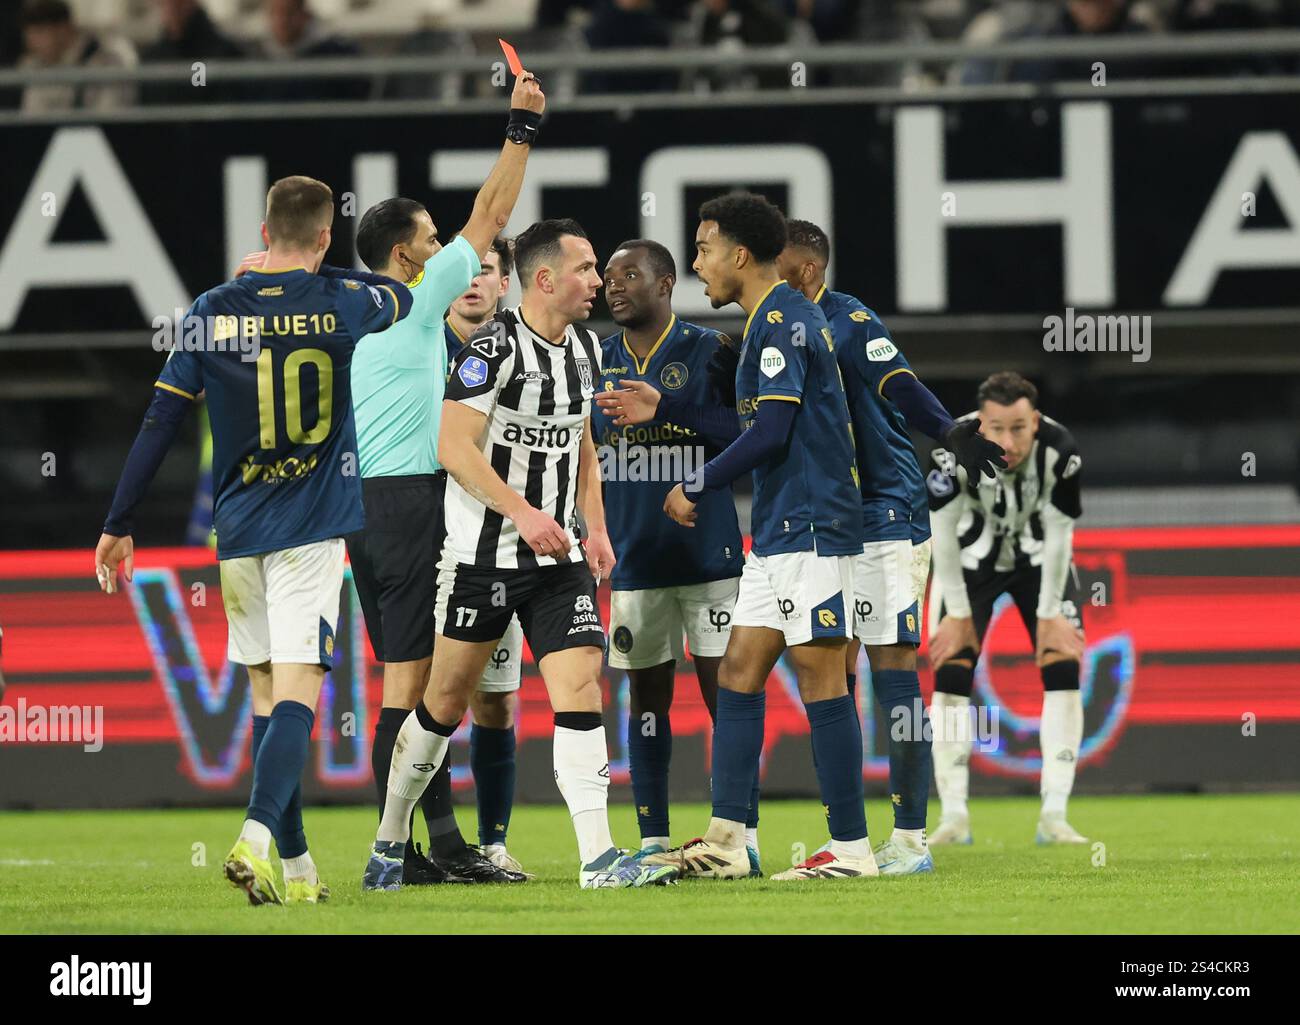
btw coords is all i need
(1190, 459)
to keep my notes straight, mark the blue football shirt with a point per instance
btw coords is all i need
(807, 498)
(893, 489)
(640, 464)
(284, 446)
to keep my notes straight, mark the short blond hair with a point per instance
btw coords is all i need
(297, 208)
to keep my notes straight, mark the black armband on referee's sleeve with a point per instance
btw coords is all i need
(523, 126)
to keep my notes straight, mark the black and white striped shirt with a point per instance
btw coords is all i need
(1000, 523)
(537, 397)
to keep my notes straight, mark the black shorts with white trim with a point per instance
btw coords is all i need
(556, 605)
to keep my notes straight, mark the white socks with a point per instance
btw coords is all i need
(1060, 734)
(301, 867)
(582, 774)
(417, 755)
(951, 722)
(258, 837)
(725, 833)
(751, 837)
(650, 841)
(909, 839)
(857, 849)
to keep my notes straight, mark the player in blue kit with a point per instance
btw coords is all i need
(669, 581)
(885, 397)
(287, 491)
(797, 585)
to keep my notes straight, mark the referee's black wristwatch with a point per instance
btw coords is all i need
(522, 128)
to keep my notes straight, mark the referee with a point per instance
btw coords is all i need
(398, 381)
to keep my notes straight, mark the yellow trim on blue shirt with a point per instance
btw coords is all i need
(462, 338)
(278, 270)
(761, 299)
(173, 390)
(820, 292)
(641, 367)
(780, 398)
(396, 306)
(880, 388)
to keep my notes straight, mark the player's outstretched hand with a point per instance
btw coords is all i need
(679, 508)
(635, 403)
(1058, 635)
(252, 261)
(974, 452)
(542, 534)
(528, 94)
(600, 554)
(953, 636)
(722, 374)
(109, 554)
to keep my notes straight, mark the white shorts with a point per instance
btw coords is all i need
(887, 601)
(284, 606)
(506, 666)
(802, 594)
(646, 626)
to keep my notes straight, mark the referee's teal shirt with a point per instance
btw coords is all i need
(399, 375)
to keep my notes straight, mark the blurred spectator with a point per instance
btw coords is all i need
(11, 48)
(733, 25)
(297, 34)
(555, 13)
(1063, 20)
(51, 39)
(832, 21)
(1223, 16)
(188, 35)
(624, 24)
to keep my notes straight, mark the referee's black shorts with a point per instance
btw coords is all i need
(395, 562)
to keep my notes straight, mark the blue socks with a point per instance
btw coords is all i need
(837, 756)
(898, 692)
(737, 749)
(492, 761)
(648, 758)
(291, 836)
(278, 762)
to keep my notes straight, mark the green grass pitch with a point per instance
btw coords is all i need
(1181, 864)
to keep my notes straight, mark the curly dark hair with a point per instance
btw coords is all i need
(1006, 387)
(808, 236)
(749, 220)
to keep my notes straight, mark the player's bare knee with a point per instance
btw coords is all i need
(892, 657)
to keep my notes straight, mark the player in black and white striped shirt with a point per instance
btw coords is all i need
(516, 442)
(1010, 534)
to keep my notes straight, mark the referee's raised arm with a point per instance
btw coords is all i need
(496, 199)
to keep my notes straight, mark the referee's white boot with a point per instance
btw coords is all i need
(953, 829)
(1053, 829)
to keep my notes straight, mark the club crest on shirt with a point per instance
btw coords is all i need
(674, 375)
(584, 374)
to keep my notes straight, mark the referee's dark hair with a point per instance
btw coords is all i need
(749, 220)
(807, 235)
(540, 243)
(505, 254)
(662, 263)
(386, 224)
(297, 208)
(1005, 388)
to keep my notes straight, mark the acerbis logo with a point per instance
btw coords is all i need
(583, 604)
(537, 437)
(424, 766)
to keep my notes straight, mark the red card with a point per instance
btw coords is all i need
(512, 58)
